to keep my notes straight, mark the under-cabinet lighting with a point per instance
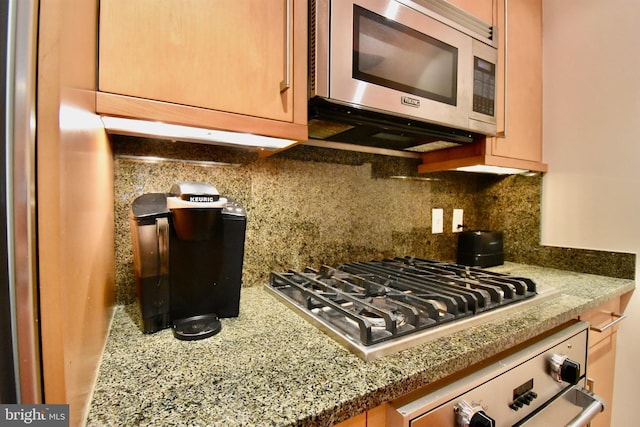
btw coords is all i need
(161, 160)
(160, 130)
(498, 170)
(413, 178)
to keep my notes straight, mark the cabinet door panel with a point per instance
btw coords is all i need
(522, 121)
(599, 317)
(482, 9)
(602, 355)
(226, 55)
(357, 421)
(601, 366)
(519, 112)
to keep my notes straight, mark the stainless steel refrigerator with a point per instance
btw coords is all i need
(20, 379)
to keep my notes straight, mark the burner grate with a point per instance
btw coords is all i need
(376, 301)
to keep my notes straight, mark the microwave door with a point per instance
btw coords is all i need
(396, 57)
(388, 57)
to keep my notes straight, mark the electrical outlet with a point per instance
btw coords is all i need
(457, 223)
(437, 221)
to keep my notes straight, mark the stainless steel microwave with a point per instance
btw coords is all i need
(400, 74)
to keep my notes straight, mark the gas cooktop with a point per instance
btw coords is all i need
(377, 308)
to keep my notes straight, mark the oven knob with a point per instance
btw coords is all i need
(480, 419)
(565, 369)
(472, 416)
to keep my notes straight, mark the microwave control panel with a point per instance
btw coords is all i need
(484, 86)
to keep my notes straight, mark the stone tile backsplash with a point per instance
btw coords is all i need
(309, 206)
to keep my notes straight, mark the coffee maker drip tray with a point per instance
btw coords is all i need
(196, 327)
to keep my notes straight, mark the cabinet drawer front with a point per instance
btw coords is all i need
(600, 317)
(600, 371)
(357, 421)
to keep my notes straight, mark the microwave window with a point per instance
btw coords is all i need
(390, 54)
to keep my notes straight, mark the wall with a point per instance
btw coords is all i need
(591, 110)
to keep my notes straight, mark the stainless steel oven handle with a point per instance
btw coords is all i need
(619, 318)
(592, 404)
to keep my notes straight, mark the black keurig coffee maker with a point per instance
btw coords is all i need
(188, 249)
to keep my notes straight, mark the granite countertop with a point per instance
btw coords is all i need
(270, 367)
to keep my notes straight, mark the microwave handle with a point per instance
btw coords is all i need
(286, 83)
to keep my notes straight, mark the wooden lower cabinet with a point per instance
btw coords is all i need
(357, 421)
(602, 360)
(602, 354)
(375, 417)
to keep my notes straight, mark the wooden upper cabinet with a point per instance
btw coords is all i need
(522, 120)
(482, 9)
(519, 120)
(229, 64)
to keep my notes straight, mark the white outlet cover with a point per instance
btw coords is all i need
(437, 221)
(457, 220)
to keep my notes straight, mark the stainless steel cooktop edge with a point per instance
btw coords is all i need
(376, 351)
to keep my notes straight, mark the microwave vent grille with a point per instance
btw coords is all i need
(453, 13)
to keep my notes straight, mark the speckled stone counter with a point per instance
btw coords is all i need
(269, 367)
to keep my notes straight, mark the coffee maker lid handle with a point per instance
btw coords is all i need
(146, 208)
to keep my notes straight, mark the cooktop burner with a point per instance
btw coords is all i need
(379, 307)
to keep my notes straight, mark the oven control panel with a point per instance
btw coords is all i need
(523, 395)
(507, 391)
